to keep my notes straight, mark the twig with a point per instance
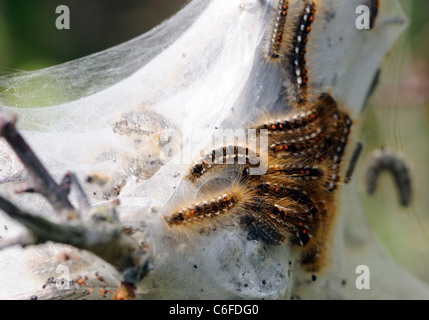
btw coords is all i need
(102, 235)
(42, 229)
(43, 183)
(81, 196)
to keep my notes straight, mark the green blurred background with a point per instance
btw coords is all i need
(397, 117)
(29, 39)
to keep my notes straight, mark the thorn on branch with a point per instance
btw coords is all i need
(82, 199)
(66, 183)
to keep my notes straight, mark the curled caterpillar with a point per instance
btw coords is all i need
(385, 160)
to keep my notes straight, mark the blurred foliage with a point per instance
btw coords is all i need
(29, 39)
(419, 27)
(398, 117)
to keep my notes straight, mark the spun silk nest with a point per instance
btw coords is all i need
(130, 121)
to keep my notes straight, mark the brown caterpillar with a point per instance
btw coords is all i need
(207, 209)
(297, 60)
(294, 201)
(278, 30)
(228, 155)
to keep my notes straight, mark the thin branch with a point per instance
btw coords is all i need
(42, 229)
(82, 199)
(102, 235)
(42, 181)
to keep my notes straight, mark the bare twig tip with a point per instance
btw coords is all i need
(6, 122)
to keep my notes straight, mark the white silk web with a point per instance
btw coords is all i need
(124, 114)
